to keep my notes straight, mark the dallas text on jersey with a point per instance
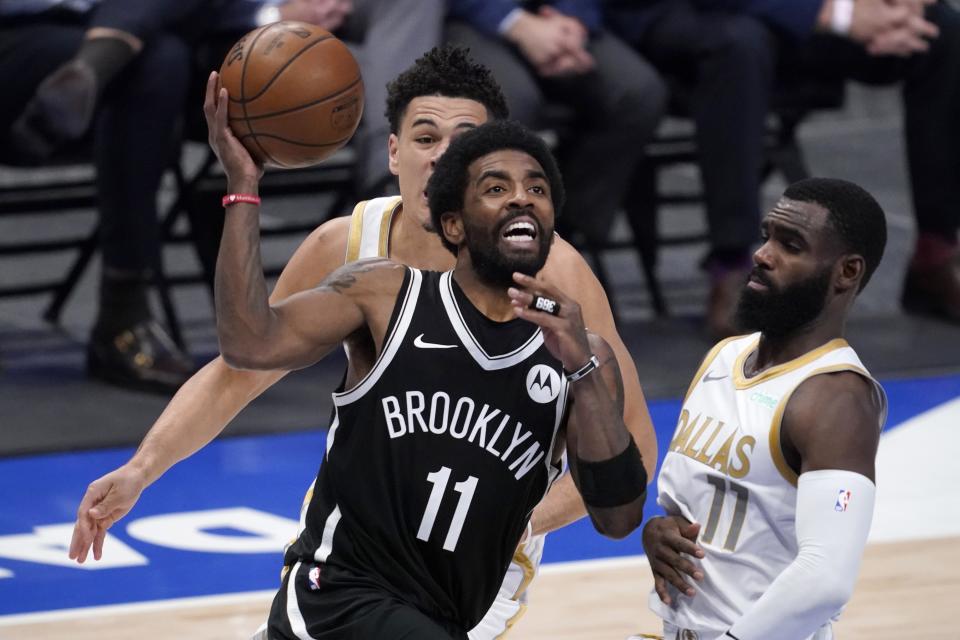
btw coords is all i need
(688, 437)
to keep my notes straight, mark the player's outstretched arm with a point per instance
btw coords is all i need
(563, 503)
(201, 408)
(604, 460)
(830, 433)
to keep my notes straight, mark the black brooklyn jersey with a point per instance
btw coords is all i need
(436, 459)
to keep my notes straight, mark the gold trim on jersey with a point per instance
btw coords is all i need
(776, 447)
(707, 361)
(741, 381)
(355, 233)
(520, 558)
(529, 571)
(513, 620)
(386, 223)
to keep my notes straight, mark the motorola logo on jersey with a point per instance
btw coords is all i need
(543, 383)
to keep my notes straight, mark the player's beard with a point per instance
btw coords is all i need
(493, 266)
(778, 312)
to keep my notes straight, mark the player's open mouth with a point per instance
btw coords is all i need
(520, 231)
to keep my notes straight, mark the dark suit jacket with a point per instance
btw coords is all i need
(631, 18)
(486, 15)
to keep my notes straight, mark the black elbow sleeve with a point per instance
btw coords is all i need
(613, 482)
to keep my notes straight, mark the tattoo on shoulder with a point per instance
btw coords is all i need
(346, 276)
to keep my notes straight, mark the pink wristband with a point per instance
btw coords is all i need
(234, 198)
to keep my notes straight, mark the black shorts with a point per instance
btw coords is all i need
(331, 604)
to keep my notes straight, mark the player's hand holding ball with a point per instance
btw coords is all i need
(295, 94)
(238, 165)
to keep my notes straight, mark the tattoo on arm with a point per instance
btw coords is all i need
(346, 276)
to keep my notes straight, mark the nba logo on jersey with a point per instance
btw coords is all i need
(843, 499)
(314, 578)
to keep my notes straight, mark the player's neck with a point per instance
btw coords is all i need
(777, 350)
(490, 300)
(412, 244)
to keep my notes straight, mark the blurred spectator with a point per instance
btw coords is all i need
(730, 51)
(119, 71)
(112, 68)
(560, 52)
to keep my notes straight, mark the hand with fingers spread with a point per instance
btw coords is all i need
(107, 499)
(668, 542)
(558, 317)
(238, 165)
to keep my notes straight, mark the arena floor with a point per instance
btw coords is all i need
(198, 557)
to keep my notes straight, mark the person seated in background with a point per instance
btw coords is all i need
(114, 72)
(730, 52)
(561, 52)
(120, 73)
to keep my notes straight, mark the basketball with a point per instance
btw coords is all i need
(296, 95)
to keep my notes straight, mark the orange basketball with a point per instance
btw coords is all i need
(296, 95)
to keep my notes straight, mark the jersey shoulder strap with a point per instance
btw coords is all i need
(369, 235)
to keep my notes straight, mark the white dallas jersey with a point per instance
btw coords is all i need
(725, 469)
(369, 237)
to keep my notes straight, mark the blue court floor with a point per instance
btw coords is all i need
(215, 524)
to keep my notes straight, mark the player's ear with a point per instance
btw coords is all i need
(393, 149)
(451, 226)
(850, 272)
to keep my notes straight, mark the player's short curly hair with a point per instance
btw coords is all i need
(444, 71)
(854, 215)
(448, 184)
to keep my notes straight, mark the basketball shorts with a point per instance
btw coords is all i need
(327, 603)
(673, 632)
(511, 601)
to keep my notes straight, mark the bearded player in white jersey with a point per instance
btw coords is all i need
(768, 483)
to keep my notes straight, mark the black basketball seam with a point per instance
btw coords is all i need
(305, 106)
(243, 103)
(296, 142)
(284, 67)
